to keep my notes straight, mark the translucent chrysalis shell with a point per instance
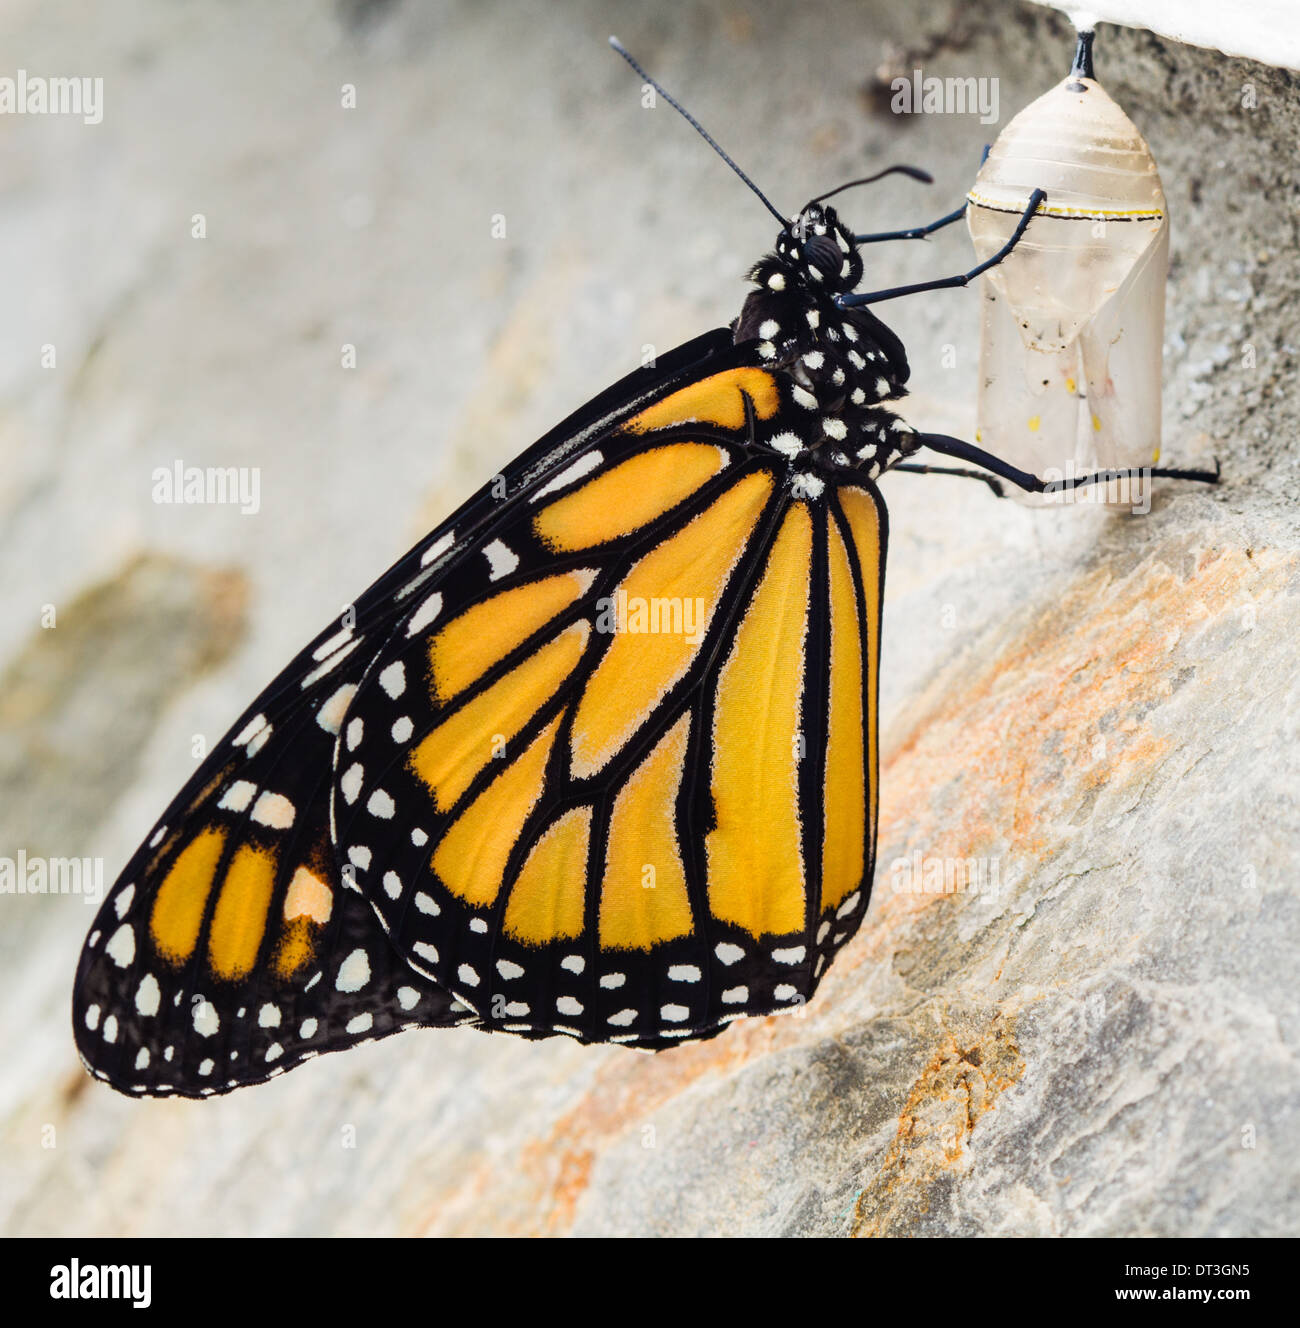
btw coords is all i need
(1073, 319)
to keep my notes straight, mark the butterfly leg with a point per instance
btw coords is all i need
(917, 232)
(995, 485)
(1031, 483)
(921, 232)
(962, 279)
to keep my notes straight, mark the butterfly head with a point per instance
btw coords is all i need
(817, 251)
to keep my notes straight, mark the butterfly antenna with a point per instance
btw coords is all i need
(696, 125)
(913, 172)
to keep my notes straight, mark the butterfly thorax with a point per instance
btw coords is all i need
(842, 363)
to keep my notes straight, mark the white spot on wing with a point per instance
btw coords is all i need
(249, 731)
(330, 715)
(501, 559)
(425, 614)
(354, 972)
(393, 679)
(322, 669)
(351, 781)
(206, 1021)
(438, 548)
(273, 810)
(327, 648)
(381, 804)
(584, 465)
(121, 945)
(148, 997)
(237, 797)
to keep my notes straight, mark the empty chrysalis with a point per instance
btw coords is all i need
(1072, 332)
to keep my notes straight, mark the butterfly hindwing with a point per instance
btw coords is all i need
(582, 819)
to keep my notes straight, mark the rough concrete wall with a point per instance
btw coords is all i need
(1101, 709)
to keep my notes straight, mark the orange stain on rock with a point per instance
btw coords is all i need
(961, 1083)
(1008, 757)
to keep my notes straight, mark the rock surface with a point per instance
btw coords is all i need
(1097, 713)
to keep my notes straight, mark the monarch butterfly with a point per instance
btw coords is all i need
(596, 758)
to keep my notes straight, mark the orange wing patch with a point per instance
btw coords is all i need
(178, 908)
(627, 496)
(714, 400)
(643, 898)
(755, 859)
(864, 525)
(844, 815)
(548, 899)
(469, 645)
(308, 903)
(463, 744)
(471, 857)
(690, 569)
(239, 919)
